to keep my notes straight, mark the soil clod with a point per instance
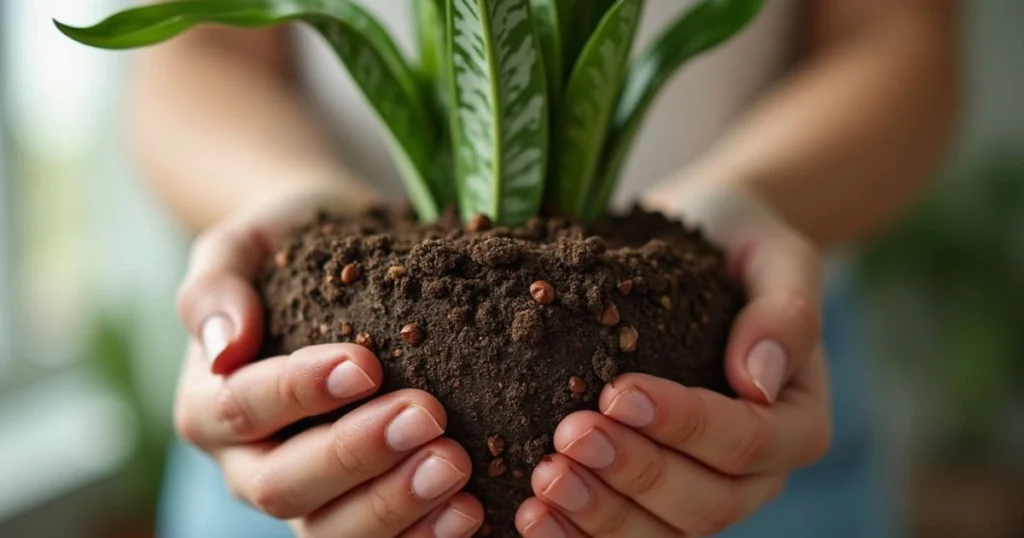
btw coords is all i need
(366, 340)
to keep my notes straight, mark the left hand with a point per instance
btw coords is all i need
(661, 459)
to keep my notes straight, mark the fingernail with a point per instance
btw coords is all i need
(348, 380)
(454, 523)
(216, 333)
(766, 365)
(592, 449)
(411, 428)
(568, 491)
(434, 476)
(632, 408)
(545, 527)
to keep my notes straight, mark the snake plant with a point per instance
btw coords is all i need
(511, 105)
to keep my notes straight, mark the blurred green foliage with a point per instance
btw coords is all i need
(946, 290)
(109, 353)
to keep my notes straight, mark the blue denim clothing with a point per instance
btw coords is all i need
(843, 496)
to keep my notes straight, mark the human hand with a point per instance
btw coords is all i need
(661, 459)
(383, 469)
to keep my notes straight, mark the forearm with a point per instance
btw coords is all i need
(852, 135)
(218, 126)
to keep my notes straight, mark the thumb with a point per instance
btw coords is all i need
(217, 302)
(780, 326)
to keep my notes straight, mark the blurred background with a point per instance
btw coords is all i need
(89, 343)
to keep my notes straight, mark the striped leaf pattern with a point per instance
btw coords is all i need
(499, 109)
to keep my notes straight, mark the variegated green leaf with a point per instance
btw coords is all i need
(499, 109)
(703, 27)
(369, 53)
(588, 104)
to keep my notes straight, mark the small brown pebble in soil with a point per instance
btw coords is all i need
(542, 292)
(365, 340)
(518, 473)
(346, 329)
(281, 258)
(666, 302)
(627, 338)
(626, 286)
(350, 273)
(396, 353)
(610, 315)
(496, 468)
(577, 385)
(396, 271)
(479, 223)
(412, 334)
(324, 329)
(495, 445)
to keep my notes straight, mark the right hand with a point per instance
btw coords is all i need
(382, 470)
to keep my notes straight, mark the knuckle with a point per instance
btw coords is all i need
(612, 521)
(232, 413)
(288, 388)
(350, 460)
(186, 425)
(804, 312)
(268, 495)
(717, 516)
(385, 514)
(818, 444)
(689, 424)
(752, 447)
(648, 478)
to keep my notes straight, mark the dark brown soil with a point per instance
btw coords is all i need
(511, 330)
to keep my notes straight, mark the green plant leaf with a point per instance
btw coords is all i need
(703, 27)
(433, 68)
(587, 106)
(546, 22)
(579, 21)
(499, 109)
(363, 45)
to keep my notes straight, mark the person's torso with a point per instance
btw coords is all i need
(691, 111)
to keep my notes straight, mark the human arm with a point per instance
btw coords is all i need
(218, 125)
(832, 154)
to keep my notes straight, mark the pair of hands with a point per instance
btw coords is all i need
(659, 459)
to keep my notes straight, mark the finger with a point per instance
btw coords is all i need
(781, 324)
(534, 519)
(217, 302)
(735, 437)
(261, 398)
(589, 504)
(681, 492)
(320, 464)
(460, 517)
(394, 502)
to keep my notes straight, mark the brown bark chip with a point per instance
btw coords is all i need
(496, 358)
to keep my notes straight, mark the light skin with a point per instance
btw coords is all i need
(831, 154)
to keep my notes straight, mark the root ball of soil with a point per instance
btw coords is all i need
(471, 317)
